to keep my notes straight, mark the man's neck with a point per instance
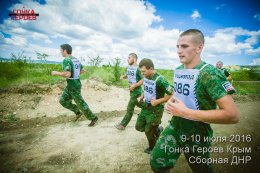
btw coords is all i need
(193, 63)
(68, 55)
(134, 64)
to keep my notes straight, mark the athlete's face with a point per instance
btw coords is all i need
(63, 52)
(219, 65)
(130, 60)
(146, 72)
(188, 49)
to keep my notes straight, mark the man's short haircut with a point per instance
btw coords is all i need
(133, 55)
(199, 37)
(148, 63)
(66, 47)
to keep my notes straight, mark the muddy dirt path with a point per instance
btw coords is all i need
(74, 147)
(39, 135)
(29, 102)
(65, 146)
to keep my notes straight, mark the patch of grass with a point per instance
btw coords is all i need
(19, 72)
(168, 74)
(11, 118)
(105, 74)
(247, 88)
(246, 75)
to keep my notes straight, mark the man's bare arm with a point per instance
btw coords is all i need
(139, 83)
(65, 74)
(226, 114)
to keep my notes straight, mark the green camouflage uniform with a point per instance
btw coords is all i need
(224, 72)
(73, 89)
(179, 134)
(150, 116)
(133, 94)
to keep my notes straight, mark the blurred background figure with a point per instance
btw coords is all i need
(219, 66)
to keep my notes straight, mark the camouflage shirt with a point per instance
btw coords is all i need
(210, 86)
(162, 86)
(68, 65)
(225, 72)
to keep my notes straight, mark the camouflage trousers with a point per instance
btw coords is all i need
(130, 108)
(81, 106)
(148, 121)
(182, 136)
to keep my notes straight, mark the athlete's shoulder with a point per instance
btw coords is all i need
(208, 68)
(160, 78)
(138, 72)
(225, 70)
(72, 58)
(211, 73)
(158, 75)
(66, 60)
(180, 67)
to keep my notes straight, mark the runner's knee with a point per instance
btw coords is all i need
(62, 102)
(139, 128)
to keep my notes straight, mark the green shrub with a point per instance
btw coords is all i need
(103, 75)
(10, 71)
(116, 67)
(246, 75)
(168, 74)
(19, 72)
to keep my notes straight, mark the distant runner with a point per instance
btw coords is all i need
(135, 80)
(72, 68)
(224, 71)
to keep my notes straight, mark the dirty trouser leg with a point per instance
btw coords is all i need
(140, 122)
(203, 131)
(166, 151)
(66, 101)
(130, 110)
(169, 147)
(153, 118)
(151, 133)
(82, 105)
(192, 156)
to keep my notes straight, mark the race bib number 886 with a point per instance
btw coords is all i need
(182, 88)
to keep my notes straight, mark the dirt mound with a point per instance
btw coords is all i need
(28, 88)
(96, 84)
(25, 102)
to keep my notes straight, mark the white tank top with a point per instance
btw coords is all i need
(150, 89)
(131, 75)
(184, 86)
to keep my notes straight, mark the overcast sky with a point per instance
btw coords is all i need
(115, 28)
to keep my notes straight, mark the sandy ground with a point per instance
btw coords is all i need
(99, 97)
(47, 140)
